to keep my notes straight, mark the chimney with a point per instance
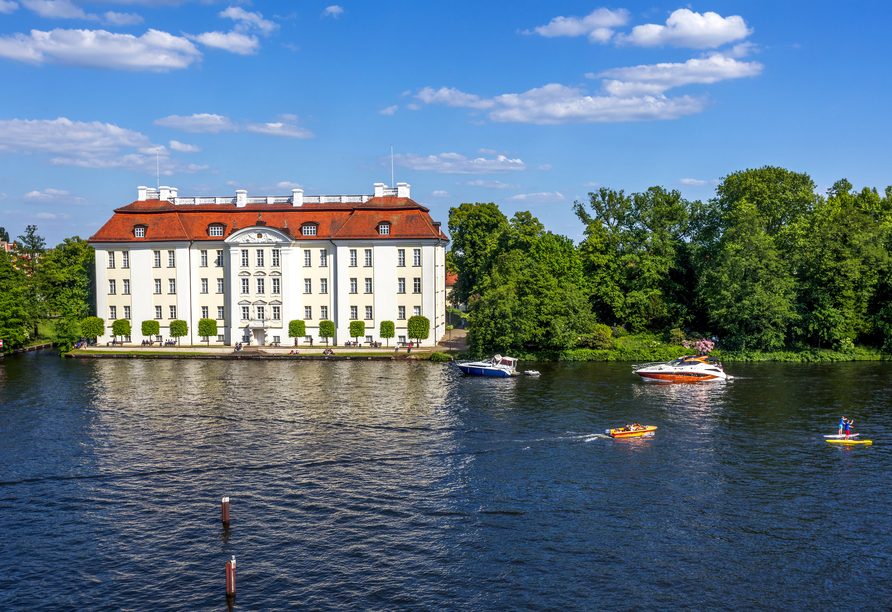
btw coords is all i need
(379, 190)
(173, 192)
(297, 197)
(241, 198)
(402, 190)
(164, 192)
(141, 190)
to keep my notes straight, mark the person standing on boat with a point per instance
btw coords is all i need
(849, 427)
(842, 424)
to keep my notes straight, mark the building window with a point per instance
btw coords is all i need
(220, 338)
(171, 285)
(220, 259)
(352, 259)
(157, 312)
(219, 285)
(261, 286)
(157, 256)
(368, 312)
(308, 285)
(244, 258)
(204, 287)
(112, 312)
(246, 313)
(259, 258)
(416, 257)
(173, 312)
(220, 312)
(384, 229)
(308, 339)
(111, 287)
(277, 313)
(276, 339)
(215, 230)
(111, 259)
(246, 286)
(261, 312)
(401, 285)
(277, 286)
(308, 312)
(126, 286)
(323, 285)
(416, 285)
(171, 259)
(277, 254)
(125, 259)
(323, 258)
(204, 312)
(308, 258)
(401, 313)
(323, 313)
(416, 310)
(139, 232)
(401, 339)
(204, 259)
(354, 313)
(401, 257)
(368, 285)
(308, 230)
(158, 285)
(368, 258)
(353, 286)
(369, 339)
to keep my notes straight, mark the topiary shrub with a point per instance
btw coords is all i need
(386, 330)
(357, 329)
(207, 328)
(178, 329)
(121, 327)
(297, 329)
(150, 328)
(419, 328)
(92, 327)
(326, 330)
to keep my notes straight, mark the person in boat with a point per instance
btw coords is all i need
(849, 427)
(842, 424)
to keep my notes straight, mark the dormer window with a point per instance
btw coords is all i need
(308, 229)
(215, 230)
(139, 231)
(384, 228)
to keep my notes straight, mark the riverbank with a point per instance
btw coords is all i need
(256, 353)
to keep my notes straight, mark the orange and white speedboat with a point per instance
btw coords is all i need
(693, 368)
(631, 431)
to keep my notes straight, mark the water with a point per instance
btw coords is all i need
(403, 486)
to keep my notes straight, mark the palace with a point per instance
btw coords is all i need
(256, 263)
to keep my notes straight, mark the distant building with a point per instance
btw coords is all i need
(255, 263)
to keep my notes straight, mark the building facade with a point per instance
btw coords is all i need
(255, 263)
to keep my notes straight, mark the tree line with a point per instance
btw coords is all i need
(766, 264)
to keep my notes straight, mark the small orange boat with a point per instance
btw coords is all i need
(631, 431)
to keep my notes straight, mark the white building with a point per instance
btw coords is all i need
(256, 263)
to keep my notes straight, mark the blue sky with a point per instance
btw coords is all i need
(527, 104)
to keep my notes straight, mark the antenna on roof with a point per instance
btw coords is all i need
(391, 165)
(157, 169)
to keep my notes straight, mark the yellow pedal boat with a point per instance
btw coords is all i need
(631, 431)
(850, 441)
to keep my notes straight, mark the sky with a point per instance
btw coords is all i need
(531, 105)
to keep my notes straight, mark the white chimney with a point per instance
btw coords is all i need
(173, 192)
(241, 198)
(402, 190)
(297, 197)
(379, 190)
(164, 192)
(141, 190)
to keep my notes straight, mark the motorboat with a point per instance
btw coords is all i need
(693, 368)
(631, 431)
(497, 366)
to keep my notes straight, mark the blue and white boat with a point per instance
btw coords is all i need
(497, 366)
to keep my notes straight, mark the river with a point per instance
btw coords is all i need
(405, 486)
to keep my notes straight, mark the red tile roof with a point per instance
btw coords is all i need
(451, 279)
(165, 221)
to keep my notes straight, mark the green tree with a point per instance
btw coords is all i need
(476, 231)
(4, 235)
(67, 331)
(121, 327)
(150, 328)
(297, 329)
(30, 250)
(326, 330)
(419, 328)
(207, 328)
(92, 327)
(386, 330)
(15, 319)
(178, 329)
(357, 329)
(66, 278)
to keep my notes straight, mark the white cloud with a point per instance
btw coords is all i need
(452, 97)
(184, 148)
(592, 184)
(333, 11)
(156, 51)
(121, 19)
(2, 196)
(655, 79)
(57, 9)
(389, 110)
(46, 195)
(54, 196)
(289, 185)
(285, 130)
(440, 194)
(453, 163)
(492, 184)
(234, 42)
(697, 182)
(7, 7)
(245, 20)
(597, 25)
(685, 28)
(542, 196)
(51, 216)
(413, 106)
(198, 123)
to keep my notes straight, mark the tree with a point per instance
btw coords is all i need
(207, 328)
(178, 329)
(150, 328)
(92, 327)
(476, 231)
(67, 331)
(14, 316)
(121, 327)
(66, 278)
(386, 330)
(357, 329)
(4, 235)
(30, 250)
(297, 329)
(419, 328)
(326, 330)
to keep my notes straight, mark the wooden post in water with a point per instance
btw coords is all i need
(230, 578)
(226, 513)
